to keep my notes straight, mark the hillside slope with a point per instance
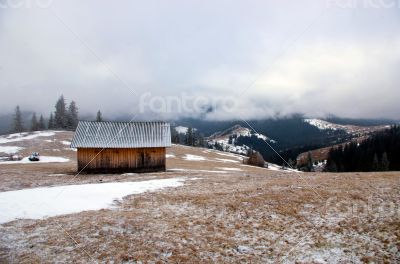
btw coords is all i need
(214, 209)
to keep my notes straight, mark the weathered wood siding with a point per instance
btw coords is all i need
(96, 160)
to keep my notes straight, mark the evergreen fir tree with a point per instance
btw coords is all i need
(60, 115)
(195, 138)
(292, 163)
(42, 125)
(34, 123)
(189, 137)
(72, 116)
(200, 141)
(218, 146)
(51, 122)
(385, 162)
(99, 116)
(375, 163)
(331, 167)
(365, 156)
(18, 125)
(174, 136)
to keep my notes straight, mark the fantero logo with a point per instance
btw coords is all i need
(344, 208)
(185, 103)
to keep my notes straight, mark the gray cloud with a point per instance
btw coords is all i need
(312, 57)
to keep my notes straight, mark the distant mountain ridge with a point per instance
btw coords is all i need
(354, 130)
(290, 136)
(228, 139)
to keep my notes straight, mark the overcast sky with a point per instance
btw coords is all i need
(262, 57)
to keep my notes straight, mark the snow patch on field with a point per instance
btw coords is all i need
(226, 160)
(38, 203)
(229, 155)
(229, 169)
(72, 149)
(206, 171)
(250, 166)
(323, 125)
(170, 156)
(57, 175)
(193, 157)
(10, 149)
(43, 159)
(25, 136)
(275, 167)
(65, 142)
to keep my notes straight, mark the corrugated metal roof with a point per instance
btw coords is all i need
(91, 134)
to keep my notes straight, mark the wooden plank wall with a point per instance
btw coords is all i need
(96, 160)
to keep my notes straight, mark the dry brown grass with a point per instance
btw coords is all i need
(275, 215)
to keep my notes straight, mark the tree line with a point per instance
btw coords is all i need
(64, 117)
(380, 152)
(190, 138)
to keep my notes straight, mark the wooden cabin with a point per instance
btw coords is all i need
(116, 147)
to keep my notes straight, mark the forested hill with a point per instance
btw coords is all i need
(380, 152)
(288, 132)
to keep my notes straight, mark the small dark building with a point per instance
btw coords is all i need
(114, 147)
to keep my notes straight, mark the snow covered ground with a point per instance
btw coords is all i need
(43, 159)
(38, 203)
(349, 129)
(227, 139)
(10, 149)
(323, 125)
(25, 136)
(226, 160)
(65, 142)
(275, 167)
(229, 169)
(197, 171)
(231, 155)
(193, 157)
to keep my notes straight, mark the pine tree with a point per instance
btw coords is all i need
(291, 162)
(18, 125)
(34, 123)
(189, 137)
(218, 146)
(200, 141)
(60, 115)
(99, 116)
(385, 162)
(375, 163)
(72, 116)
(379, 152)
(41, 125)
(51, 122)
(195, 138)
(174, 136)
(331, 167)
